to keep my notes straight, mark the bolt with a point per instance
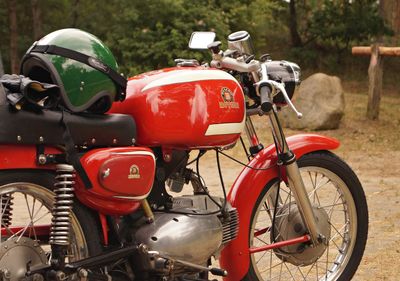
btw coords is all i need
(6, 273)
(301, 248)
(167, 157)
(321, 238)
(106, 173)
(60, 276)
(83, 274)
(37, 277)
(42, 159)
(298, 228)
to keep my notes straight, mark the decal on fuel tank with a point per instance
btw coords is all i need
(228, 99)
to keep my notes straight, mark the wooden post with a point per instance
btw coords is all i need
(375, 74)
(375, 83)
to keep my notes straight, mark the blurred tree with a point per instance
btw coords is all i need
(12, 13)
(151, 34)
(36, 19)
(390, 10)
(148, 35)
(1, 65)
(294, 33)
(338, 24)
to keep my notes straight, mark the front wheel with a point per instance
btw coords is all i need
(340, 206)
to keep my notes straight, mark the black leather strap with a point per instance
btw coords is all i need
(72, 155)
(118, 79)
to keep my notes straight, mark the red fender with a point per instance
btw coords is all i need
(246, 189)
(13, 156)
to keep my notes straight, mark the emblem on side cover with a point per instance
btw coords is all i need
(228, 99)
(134, 172)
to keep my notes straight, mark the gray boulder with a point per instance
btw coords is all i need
(321, 100)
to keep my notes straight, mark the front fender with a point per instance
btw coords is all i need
(249, 185)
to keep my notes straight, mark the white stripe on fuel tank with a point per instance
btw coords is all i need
(225, 128)
(190, 76)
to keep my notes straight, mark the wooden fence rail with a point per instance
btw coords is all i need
(375, 73)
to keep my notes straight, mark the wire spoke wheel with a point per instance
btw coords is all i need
(339, 204)
(25, 215)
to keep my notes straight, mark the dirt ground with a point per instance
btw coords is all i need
(372, 149)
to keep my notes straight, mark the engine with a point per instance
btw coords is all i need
(188, 234)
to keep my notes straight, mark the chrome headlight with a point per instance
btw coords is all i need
(285, 72)
(241, 42)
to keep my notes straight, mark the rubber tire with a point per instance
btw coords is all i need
(330, 161)
(87, 218)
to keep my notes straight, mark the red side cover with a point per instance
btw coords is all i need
(119, 176)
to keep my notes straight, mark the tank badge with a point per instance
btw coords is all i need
(228, 99)
(134, 172)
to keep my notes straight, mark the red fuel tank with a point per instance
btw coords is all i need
(185, 108)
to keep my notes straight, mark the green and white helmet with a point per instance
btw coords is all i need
(81, 65)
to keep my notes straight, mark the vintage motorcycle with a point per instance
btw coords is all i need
(88, 161)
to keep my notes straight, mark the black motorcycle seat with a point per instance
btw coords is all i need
(45, 127)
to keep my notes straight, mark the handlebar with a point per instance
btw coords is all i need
(230, 63)
(265, 97)
(266, 88)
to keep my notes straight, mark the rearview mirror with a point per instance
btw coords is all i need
(201, 39)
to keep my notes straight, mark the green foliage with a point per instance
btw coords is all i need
(340, 23)
(146, 35)
(154, 33)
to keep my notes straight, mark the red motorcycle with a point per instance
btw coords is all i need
(88, 160)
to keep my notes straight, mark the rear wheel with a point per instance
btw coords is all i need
(340, 206)
(26, 200)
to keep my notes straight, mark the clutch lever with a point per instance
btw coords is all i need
(281, 88)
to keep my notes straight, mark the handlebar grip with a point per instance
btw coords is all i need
(266, 102)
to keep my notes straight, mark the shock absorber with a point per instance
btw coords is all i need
(6, 209)
(62, 208)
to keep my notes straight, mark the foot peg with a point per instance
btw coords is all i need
(166, 264)
(218, 272)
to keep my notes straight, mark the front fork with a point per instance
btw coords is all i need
(296, 184)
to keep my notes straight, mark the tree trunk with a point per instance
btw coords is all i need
(375, 72)
(75, 13)
(1, 66)
(294, 33)
(37, 20)
(12, 11)
(390, 12)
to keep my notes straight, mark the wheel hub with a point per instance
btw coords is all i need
(15, 255)
(289, 225)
